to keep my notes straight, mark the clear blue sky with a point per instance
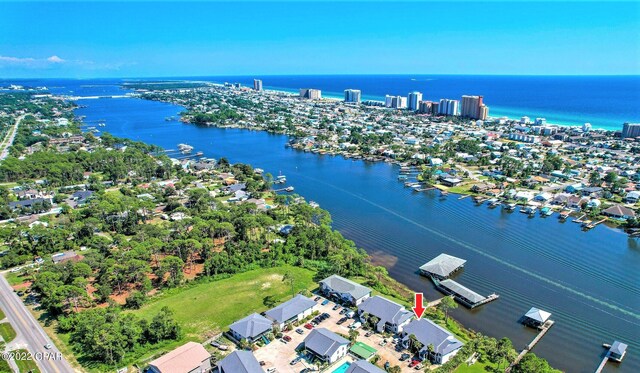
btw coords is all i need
(102, 39)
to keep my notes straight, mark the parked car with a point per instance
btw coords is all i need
(336, 307)
(368, 334)
(283, 340)
(287, 338)
(355, 325)
(271, 370)
(299, 331)
(418, 367)
(316, 299)
(294, 361)
(383, 342)
(414, 363)
(262, 363)
(308, 326)
(342, 321)
(343, 311)
(326, 315)
(325, 302)
(404, 357)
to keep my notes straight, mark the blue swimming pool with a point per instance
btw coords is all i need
(342, 368)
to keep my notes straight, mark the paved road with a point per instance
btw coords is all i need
(8, 140)
(30, 332)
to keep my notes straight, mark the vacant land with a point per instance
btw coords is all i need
(478, 367)
(207, 308)
(7, 332)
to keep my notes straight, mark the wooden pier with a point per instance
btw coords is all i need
(603, 363)
(543, 330)
(464, 196)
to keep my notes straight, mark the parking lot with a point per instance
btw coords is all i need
(279, 354)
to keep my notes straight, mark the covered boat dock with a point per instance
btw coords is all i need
(442, 266)
(464, 295)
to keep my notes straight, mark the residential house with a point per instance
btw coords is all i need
(444, 344)
(252, 328)
(292, 310)
(632, 197)
(239, 362)
(392, 317)
(188, 358)
(619, 212)
(65, 256)
(592, 192)
(326, 345)
(346, 290)
(29, 203)
(576, 202)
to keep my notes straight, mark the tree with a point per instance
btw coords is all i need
(446, 304)
(173, 266)
(353, 336)
(531, 363)
(163, 326)
(135, 300)
(269, 301)
(503, 352)
(414, 344)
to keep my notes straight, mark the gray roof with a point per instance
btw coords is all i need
(27, 202)
(618, 348)
(240, 362)
(343, 285)
(324, 342)
(442, 265)
(290, 308)
(537, 314)
(463, 291)
(429, 333)
(252, 326)
(386, 310)
(363, 366)
(82, 195)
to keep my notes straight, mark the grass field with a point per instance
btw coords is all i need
(478, 367)
(208, 308)
(14, 279)
(7, 332)
(4, 367)
(26, 365)
(2, 315)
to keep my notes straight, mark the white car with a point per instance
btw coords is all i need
(48, 346)
(271, 370)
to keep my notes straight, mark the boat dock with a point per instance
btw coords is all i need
(544, 328)
(615, 352)
(462, 294)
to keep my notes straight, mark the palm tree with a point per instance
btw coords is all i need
(446, 304)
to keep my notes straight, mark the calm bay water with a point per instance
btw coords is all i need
(590, 281)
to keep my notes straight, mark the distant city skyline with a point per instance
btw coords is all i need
(101, 39)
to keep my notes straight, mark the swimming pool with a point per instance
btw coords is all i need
(342, 368)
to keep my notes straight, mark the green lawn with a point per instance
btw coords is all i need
(2, 315)
(14, 278)
(210, 307)
(26, 365)
(4, 367)
(7, 332)
(478, 367)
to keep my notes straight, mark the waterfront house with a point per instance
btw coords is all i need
(445, 345)
(252, 328)
(535, 317)
(576, 202)
(292, 310)
(632, 197)
(592, 192)
(482, 187)
(619, 212)
(451, 181)
(345, 290)
(363, 366)
(442, 266)
(392, 317)
(239, 362)
(326, 345)
(560, 199)
(191, 357)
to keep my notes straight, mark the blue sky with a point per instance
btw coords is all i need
(105, 39)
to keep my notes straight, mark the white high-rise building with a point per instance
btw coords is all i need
(448, 107)
(388, 101)
(257, 84)
(414, 99)
(310, 93)
(586, 127)
(352, 95)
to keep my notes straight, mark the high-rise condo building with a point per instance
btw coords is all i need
(630, 130)
(435, 108)
(448, 107)
(352, 95)
(388, 101)
(257, 84)
(414, 99)
(472, 107)
(310, 93)
(424, 107)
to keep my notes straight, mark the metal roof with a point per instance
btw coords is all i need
(185, 358)
(324, 342)
(343, 285)
(538, 315)
(386, 310)
(442, 265)
(363, 366)
(290, 308)
(465, 292)
(429, 333)
(240, 362)
(618, 348)
(252, 326)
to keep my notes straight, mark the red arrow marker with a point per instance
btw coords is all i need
(418, 307)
